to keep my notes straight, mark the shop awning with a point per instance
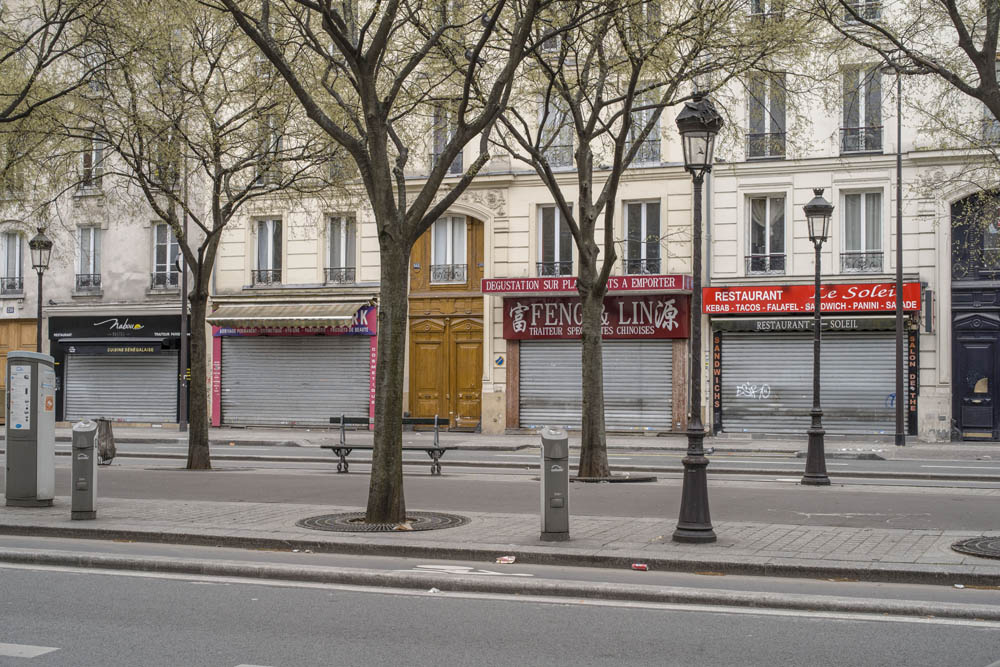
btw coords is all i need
(285, 315)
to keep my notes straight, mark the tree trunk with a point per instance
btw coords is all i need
(385, 491)
(593, 443)
(199, 457)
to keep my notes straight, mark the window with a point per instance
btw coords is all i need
(165, 251)
(649, 150)
(869, 10)
(342, 248)
(861, 131)
(766, 133)
(270, 143)
(555, 243)
(767, 9)
(93, 164)
(556, 135)
(448, 263)
(642, 237)
(445, 127)
(268, 271)
(644, 20)
(767, 235)
(862, 233)
(88, 274)
(11, 254)
(991, 127)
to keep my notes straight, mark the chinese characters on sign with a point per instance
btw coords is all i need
(781, 299)
(652, 316)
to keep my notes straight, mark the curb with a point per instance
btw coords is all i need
(935, 574)
(500, 585)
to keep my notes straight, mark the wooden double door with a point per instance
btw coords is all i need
(14, 335)
(446, 369)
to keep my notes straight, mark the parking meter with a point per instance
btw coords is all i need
(84, 492)
(30, 430)
(555, 484)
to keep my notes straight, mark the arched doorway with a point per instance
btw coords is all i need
(975, 295)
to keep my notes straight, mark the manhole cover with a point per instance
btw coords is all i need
(983, 546)
(354, 522)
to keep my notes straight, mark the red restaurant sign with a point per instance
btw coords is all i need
(783, 299)
(629, 316)
(674, 282)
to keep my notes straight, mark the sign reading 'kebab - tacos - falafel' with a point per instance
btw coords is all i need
(647, 316)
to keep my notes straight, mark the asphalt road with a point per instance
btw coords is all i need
(53, 618)
(760, 500)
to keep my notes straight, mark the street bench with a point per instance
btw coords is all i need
(435, 450)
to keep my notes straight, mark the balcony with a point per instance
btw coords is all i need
(88, 282)
(448, 273)
(861, 139)
(861, 262)
(635, 267)
(765, 145)
(648, 152)
(550, 269)
(164, 279)
(343, 275)
(266, 276)
(454, 168)
(765, 264)
(869, 11)
(12, 285)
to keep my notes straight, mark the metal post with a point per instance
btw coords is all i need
(816, 457)
(183, 408)
(900, 395)
(38, 325)
(695, 522)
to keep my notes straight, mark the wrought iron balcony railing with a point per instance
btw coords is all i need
(559, 155)
(642, 266)
(454, 168)
(88, 282)
(11, 285)
(861, 262)
(870, 11)
(766, 145)
(164, 279)
(548, 269)
(343, 275)
(266, 276)
(763, 264)
(861, 139)
(449, 273)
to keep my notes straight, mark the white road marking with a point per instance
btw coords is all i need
(964, 467)
(247, 665)
(717, 460)
(24, 650)
(462, 569)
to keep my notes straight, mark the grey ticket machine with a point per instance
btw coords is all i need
(84, 492)
(555, 484)
(31, 429)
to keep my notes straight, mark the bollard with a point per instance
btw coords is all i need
(84, 478)
(555, 484)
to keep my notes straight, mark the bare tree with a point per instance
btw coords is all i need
(191, 125)
(593, 98)
(376, 69)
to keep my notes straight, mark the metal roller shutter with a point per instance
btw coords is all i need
(767, 382)
(637, 384)
(294, 380)
(127, 388)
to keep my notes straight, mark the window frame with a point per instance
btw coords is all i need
(769, 198)
(346, 228)
(172, 252)
(769, 85)
(643, 241)
(5, 269)
(557, 250)
(863, 78)
(92, 164)
(269, 224)
(550, 107)
(653, 140)
(453, 274)
(93, 248)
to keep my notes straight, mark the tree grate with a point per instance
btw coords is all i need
(984, 546)
(354, 522)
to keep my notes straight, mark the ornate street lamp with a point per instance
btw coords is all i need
(818, 214)
(41, 250)
(698, 123)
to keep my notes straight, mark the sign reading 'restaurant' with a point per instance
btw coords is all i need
(778, 299)
(674, 282)
(630, 316)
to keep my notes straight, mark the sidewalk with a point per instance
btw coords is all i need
(836, 446)
(890, 555)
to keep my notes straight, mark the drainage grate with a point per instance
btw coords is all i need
(354, 522)
(984, 546)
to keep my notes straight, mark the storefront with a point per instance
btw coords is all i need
(762, 356)
(124, 368)
(293, 365)
(644, 342)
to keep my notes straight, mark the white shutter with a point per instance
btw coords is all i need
(138, 388)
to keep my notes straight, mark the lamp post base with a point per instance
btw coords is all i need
(815, 474)
(695, 522)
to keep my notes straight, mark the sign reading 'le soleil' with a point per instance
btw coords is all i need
(632, 316)
(777, 299)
